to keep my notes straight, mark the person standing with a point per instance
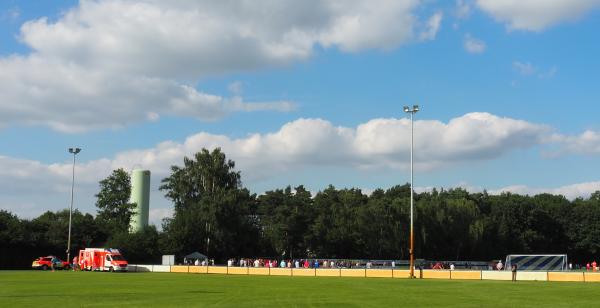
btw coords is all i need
(53, 262)
(75, 265)
(451, 266)
(594, 266)
(514, 271)
(499, 266)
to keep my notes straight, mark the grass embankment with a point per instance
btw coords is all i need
(54, 289)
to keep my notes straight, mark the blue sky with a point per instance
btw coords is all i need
(299, 93)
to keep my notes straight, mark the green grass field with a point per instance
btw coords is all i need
(54, 289)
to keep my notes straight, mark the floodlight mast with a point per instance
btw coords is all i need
(412, 111)
(73, 151)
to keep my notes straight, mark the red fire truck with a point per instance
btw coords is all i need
(102, 259)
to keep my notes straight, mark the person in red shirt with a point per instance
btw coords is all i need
(587, 266)
(594, 264)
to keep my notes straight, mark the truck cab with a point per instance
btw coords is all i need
(115, 262)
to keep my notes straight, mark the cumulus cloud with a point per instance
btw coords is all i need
(571, 191)
(433, 25)
(379, 144)
(473, 45)
(104, 64)
(72, 98)
(536, 15)
(587, 143)
(579, 190)
(29, 187)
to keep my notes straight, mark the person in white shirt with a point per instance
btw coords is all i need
(297, 264)
(451, 266)
(197, 262)
(256, 263)
(499, 266)
(393, 264)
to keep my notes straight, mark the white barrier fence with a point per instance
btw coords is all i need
(367, 273)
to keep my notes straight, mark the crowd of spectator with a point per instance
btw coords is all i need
(293, 263)
(336, 263)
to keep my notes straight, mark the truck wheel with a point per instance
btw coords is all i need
(111, 269)
(45, 267)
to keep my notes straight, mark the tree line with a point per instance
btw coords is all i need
(216, 215)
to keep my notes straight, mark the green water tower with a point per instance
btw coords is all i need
(140, 195)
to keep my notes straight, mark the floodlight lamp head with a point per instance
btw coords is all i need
(415, 108)
(74, 150)
(406, 109)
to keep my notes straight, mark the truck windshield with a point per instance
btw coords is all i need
(118, 258)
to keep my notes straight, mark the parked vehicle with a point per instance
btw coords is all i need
(102, 259)
(45, 263)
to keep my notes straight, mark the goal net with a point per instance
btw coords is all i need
(537, 262)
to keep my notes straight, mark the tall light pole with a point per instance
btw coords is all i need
(412, 111)
(73, 151)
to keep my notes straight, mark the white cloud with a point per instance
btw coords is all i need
(103, 62)
(30, 187)
(156, 215)
(463, 9)
(536, 15)
(379, 144)
(473, 45)
(432, 28)
(236, 87)
(11, 14)
(572, 191)
(524, 68)
(528, 69)
(587, 143)
(583, 190)
(71, 98)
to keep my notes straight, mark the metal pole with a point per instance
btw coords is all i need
(71, 211)
(74, 151)
(412, 237)
(412, 111)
